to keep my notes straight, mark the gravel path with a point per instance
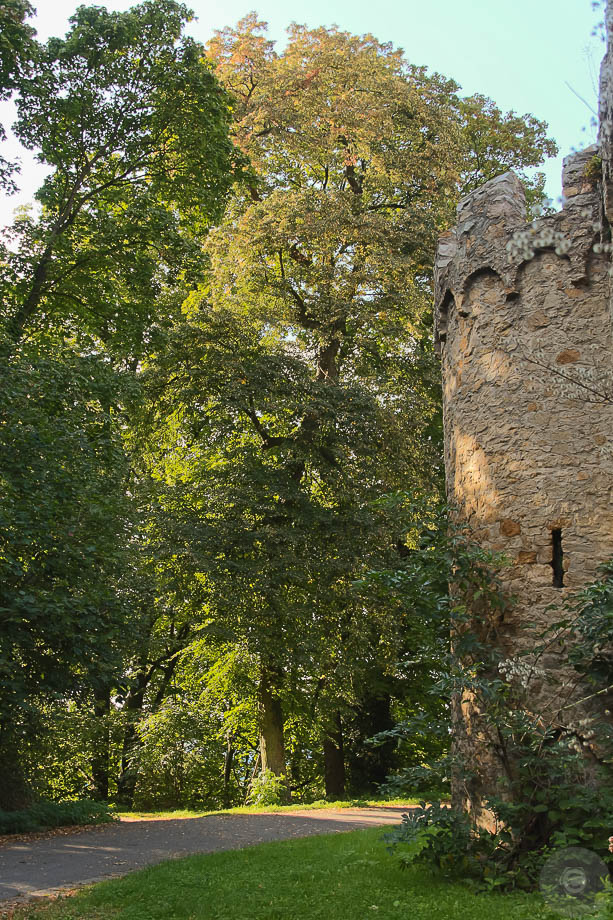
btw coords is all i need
(43, 866)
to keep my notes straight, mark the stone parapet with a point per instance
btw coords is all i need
(492, 234)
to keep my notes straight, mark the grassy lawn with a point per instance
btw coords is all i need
(347, 876)
(259, 809)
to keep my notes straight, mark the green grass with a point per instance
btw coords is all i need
(259, 809)
(347, 876)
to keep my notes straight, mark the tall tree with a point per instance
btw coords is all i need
(134, 126)
(302, 384)
(266, 516)
(64, 527)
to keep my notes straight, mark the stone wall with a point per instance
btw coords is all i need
(605, 117)
(524, 330)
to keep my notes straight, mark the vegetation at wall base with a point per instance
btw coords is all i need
(507, 858)
(554, 786)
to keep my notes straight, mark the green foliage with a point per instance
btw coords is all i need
(175, 762)
(62, 555)
(495, 142)
(44, 815)
(549, 808)
(182, 751)
(134, 126)
(17, 48)
(268, 472)
(128, 116)
(603, 902)
(590, 623)
(16, 43)
(437, 835)
(438, 554)
(267, 788)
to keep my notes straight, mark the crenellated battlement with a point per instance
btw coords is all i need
(492, 234)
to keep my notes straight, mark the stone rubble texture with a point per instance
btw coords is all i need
(524, 328)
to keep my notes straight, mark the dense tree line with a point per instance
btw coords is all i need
(216, 363)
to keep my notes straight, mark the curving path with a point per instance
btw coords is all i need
(44, 866)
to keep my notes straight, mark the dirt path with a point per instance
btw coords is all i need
(43, 866)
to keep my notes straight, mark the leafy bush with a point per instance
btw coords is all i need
(512, 855)
(44, 815)
(555, 798)
(437, 835)
(268, 788)
(556, 791)
(554, 794)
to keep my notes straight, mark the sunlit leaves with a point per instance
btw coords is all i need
(134, 126)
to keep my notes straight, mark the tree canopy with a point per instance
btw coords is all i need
(216, 345)
(135, 180)
(134, 126)
(302, 384)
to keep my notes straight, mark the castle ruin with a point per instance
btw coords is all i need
(524, 328)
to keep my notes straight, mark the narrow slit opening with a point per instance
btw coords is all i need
(557, 558)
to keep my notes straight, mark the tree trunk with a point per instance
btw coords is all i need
(370, 766)
(126, 783)
(334, 760)
(100, 756)
(326, 361)
(272, 747)
(14, 790)
(227, 770)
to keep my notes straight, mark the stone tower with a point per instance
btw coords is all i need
(525, 334)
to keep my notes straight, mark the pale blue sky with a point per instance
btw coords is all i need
(521, 54)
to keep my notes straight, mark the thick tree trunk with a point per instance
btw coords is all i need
(326, 361)
(334, 760)
(100, 756)
(272, 747)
